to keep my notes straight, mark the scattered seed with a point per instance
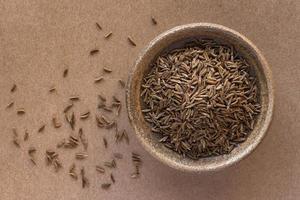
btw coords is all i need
(65, 73)
(108, 35)
(26, 135)
(122, 83)
(101, 97)
(154, 22)
(68, 107)
(16, 142)
(100, 169)
(107, 70)
(9, 105)
(94, 51)
(105, 142)
(74, 98)
(85, 115)
(81, 156)
(13, 88)
(21, 111)
(83, 138)
(112, 178)
(105, 186)
(31, 150)
(42, 128)
(84, 180)
(52, 89)
(118, 155)
(131, 41)
(98, 26)
(55, 123)
(98, 79)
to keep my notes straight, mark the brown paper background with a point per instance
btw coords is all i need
(39, 38)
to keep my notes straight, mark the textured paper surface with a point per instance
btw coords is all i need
(38, 39)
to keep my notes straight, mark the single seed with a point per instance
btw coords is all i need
(98, 26)
(31, 150)
(116, 99)
(122, 83)
(108, 35)
(84, 180)
(14, 130)
(100, 169)
(107, 70)
(65, 73)
(21, 111)
(94, 51)
(105, 143)
(83, 139)
(61, 143)
(118, 155)
(98, 79)
(105, 186)
(85, 115)
(131, 41)
(10, 104)
(55, 123)
(74, 98)
(112, 178)
(52, 89)
(154, 22)
(26, 135)
(81, 156)
(68, 107)
(41, 129)
(101, 97)
(16, 142)
(13, 88)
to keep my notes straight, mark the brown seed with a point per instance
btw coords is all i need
(68, 107)
(105, 186)
(31, 150)
(26, 135)
(16, 142)
(55, 123)
(13, 88)
(98, 79)
(74, 98)
(112, 178)
(122, 83)
(153, 20)
(98, 26)
(65, 73)
(9, 105)
(52, 89)
(105, 142)
(32, 160)
(108, 35)
(73, 175)
(107, 70)
(118, 155)
(94, 51)
(100, 169)
(131, 41)
(116, 99)
(83, 139)
(81, 156)
(42, 128)
(101, 97)
(21, 111)
(85, 115)
(61, 143)
(84, 180)
(111, 164)
(135, 175)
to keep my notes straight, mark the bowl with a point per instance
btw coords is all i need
(175, 38)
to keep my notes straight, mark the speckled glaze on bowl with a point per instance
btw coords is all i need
(174, 38)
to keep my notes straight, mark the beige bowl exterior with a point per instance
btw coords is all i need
(181, 33)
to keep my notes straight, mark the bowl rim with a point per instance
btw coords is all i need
(269, 85)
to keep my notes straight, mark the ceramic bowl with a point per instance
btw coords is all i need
(174, 38)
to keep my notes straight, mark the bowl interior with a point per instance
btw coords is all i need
(178, 37)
